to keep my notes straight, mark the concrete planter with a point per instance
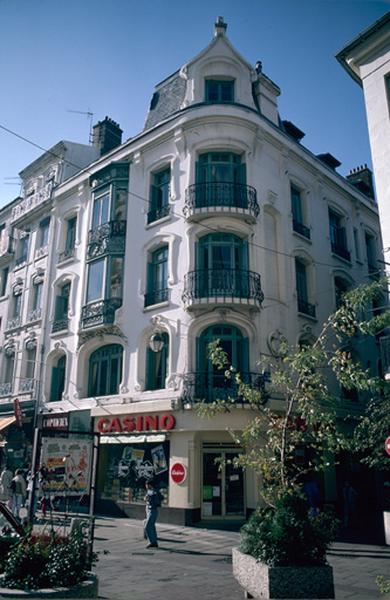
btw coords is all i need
(386, 526)
(85, 589)
(261, 581)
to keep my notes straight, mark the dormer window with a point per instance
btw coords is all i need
(219, 91)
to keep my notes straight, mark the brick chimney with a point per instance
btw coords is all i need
(106, 135)
(361, 178)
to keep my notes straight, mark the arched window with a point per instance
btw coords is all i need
(58, 379)
(105, 370)
(157, 365)
(209, 379)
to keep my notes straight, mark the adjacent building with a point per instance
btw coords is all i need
(215, 222)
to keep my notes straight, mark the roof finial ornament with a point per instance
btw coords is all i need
(259, 67)
(220, 27)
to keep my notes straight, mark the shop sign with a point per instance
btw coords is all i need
(387, 445)
(178, 473)
(55, 422)
(138, 423)
(18, 412)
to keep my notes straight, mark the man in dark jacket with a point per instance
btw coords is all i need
(153, 502)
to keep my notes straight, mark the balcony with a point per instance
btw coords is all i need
(341, 251)
(158, 213)
(67, 254)
(28, 205)
(156, 297)
(5, 389)
(210, 387)
(108, 238)
(298, 227)
(60, 325)
(226, 286)
(27, 385)
(14, 323)
(99, 313)
(306, 308)
(203, 199)
(34, 315)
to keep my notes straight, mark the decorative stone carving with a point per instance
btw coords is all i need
(275, 341)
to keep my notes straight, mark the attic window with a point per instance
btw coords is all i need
(154, 101)
(219, 90)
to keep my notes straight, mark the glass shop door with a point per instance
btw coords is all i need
(223, 485)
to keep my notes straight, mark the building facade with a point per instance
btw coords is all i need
(214, 222)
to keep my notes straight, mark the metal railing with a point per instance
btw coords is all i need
(108, 238)
(225, 283)
(34, 315)
(27, 384)
(298, 227)
(67, 253)
(212, 386)
(14, 322)
(306, 308)
(5, 389)
(224, 194)
(156, 297)
(101, 312)
(60, 324)
(158, 213)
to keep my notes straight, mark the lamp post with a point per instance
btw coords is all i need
(156, 342)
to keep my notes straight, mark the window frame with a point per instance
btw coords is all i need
(157, 380)
(95, 388)
(219, 83)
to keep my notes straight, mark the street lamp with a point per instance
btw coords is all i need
(156, 342)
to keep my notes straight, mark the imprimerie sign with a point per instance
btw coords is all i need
(135, 423)
(55, 422)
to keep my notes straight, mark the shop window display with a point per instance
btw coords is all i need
(125, 468)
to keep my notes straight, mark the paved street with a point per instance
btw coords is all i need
(195, 563)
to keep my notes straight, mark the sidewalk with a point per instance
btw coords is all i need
(195, 564)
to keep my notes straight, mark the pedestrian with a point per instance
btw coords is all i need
(153, 502)
(313, 496)
(349, 503)
(19, 492)
(5, 485)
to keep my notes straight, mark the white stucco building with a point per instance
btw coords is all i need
(213, 222)
(367, 60)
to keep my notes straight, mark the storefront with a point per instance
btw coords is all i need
(191, 459)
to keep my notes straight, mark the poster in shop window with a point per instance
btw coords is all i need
(68, 466)
(159, 461)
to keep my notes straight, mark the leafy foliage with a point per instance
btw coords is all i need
(47, 561)
(6, 543)
(302, 414)
(372, 431)
(284, 535)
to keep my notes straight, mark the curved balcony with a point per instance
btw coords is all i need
(205, 199)
(108, 238)
(209, 387)
(222, 286)
(99, 313)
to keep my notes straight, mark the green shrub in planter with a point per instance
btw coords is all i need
(285, 535)
(47, 561)
(6, 543)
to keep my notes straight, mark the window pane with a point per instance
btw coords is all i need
(71, 234)
(95, 281)
(116, 277)
(30, 363)
(37, 295)
(4, 280)
(9, 369)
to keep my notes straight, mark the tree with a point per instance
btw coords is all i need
(298, 410)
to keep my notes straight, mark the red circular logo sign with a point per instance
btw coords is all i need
(387, 445)
(178, 473)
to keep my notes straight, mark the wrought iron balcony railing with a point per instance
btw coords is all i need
(5, 389)
(67, 253)
(14, 323)
(341, 250)
(221, 195)
(60, 325)
(32, 202)
(34, 315)
(225, 283)
(156, 297)
(158, 213)
(108, 238)
(101, 312)
(210, 387)
(298, 227)
(306, 308)
(27, 384)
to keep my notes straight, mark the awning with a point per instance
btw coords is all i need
(131, 439)
(6, 422)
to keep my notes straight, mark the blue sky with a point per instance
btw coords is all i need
(106, 56)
